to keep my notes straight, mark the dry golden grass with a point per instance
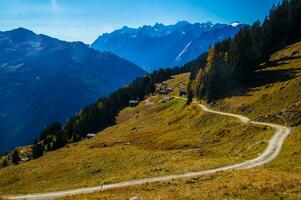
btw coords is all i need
(280, 179)
(149, 140)
(252, 184)
(278, 90)
(152, 140)
(276, 101)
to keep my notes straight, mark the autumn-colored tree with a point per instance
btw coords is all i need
(198, 82)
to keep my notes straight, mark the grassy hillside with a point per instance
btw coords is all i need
(275, 97)
(276, 93)
(149, 140)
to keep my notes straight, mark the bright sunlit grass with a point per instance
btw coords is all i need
(280, 179)
(149, 140)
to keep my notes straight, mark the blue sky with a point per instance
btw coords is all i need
(84, 20)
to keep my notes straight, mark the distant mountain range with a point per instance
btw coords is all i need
(153, 47)
(43, 79)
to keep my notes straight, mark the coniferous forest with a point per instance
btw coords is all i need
(101, 114)
(228, 67)
(231, 63)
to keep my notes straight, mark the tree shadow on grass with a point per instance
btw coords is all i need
(280, 61)
(262, 78)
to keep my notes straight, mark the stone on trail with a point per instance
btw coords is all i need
(135, 198)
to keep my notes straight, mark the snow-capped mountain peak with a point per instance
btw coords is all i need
(235, 24)
(160, 45)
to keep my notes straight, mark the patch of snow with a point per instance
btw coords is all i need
(37, 77)
(235, 24)
(13, 68)
(133, 36)
(183, 51)
(184, 33)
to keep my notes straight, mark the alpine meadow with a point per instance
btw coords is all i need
(144, 100)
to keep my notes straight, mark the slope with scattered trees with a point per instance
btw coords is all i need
(101, 114)
(231, 63)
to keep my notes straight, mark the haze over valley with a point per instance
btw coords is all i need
(150, 99)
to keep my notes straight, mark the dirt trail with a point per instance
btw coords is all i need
(269, 154)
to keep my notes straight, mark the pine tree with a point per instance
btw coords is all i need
(37, 149)
(189, 93)
(4, 162)
(16, 157)
(101, 114)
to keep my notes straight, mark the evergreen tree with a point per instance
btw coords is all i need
(4, 162)
(16, 157)
(189, 93)
(101, 114)
(232, 63)
(37, 149)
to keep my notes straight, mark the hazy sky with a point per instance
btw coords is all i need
(84, 20)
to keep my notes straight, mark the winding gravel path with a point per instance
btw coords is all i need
(270, 153)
